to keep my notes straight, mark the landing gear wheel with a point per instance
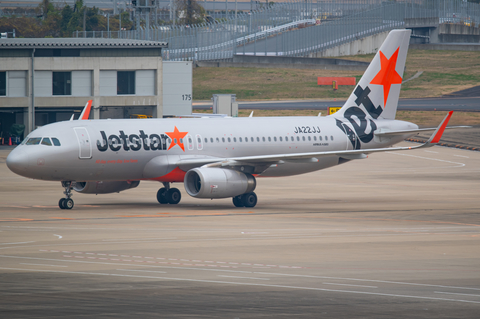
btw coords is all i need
(249, 199)
(161, 196)
(173, 196)
(237, 201)
(68, 203)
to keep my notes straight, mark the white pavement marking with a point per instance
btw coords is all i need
(42, 265)
(157, 271)
(455, 293)
(431, 152)
(59, 237)
(119, 264)
(255, 278)
(22, 242)
(367, 280)
(250, 284)
(331, 283)
(429, 158)
(461, 156)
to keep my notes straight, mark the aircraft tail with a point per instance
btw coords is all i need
(376, 94)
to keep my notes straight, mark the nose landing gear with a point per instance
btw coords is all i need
(67, 202)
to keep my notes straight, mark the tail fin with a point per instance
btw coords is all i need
(377, 92)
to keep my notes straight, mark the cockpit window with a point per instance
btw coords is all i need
(34, 141)
(46, 141)
(55, 141)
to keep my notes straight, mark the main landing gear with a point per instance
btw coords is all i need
(167, 195)
(67, 202)
(245, 200)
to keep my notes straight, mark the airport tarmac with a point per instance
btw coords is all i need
(396, 235)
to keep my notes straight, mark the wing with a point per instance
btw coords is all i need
(261, 162)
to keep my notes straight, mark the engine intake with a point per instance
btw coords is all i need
(104, 187)
(218, 183)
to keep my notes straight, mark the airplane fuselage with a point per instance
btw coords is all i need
(147, 149)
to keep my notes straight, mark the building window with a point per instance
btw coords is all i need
(126, 82)
(3, 83)
(62, 83)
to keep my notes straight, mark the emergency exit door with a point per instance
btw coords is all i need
(84, 143)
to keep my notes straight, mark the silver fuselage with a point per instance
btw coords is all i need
(126, 150)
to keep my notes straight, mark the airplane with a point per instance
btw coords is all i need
(222, 157)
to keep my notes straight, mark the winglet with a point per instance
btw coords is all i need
(86, 111)
(437, 135)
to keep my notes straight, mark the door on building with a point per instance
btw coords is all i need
(84, 143)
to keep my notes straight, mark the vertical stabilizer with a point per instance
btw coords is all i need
(377, 92)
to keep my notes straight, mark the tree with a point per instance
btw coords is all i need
(189, 12)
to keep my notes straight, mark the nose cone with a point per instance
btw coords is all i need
(17, 161)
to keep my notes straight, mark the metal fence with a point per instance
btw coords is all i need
(295, 28)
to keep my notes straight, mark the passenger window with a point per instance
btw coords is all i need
(298, 138)
(228, 140)
(291, 138)
(34, 141)
(211, 139)
(331, 138)
(269, 139)
(309, 138)
(223, 139)
(206, 140)
(274, 138)
(240, 139)
(46, 141)
(326, 138)
(218, 141)
(314, 138)
(246, 139)
(319, 138)
(263, 138)
(303, 138)
(280, 138)
(251, 139)
(258, 139)
(234, 139)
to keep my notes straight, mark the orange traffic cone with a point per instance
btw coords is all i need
(10, 141)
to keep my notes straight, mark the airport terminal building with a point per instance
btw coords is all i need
(47, 80)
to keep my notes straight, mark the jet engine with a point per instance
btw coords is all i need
(217, 183)
(104, 187)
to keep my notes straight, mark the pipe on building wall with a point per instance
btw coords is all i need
(33, 93)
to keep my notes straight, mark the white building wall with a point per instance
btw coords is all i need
(81, 83)
(108, 83)
(43, 83)
(177, 88)
(145, 82)
(16, 83)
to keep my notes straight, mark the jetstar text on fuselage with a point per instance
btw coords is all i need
(133, 142)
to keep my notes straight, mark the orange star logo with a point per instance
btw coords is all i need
(387, 74)
(176, 137)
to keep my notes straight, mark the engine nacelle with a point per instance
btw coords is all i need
(218, 183)
(104, 187)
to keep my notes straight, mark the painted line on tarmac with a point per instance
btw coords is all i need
(367, 280)
(455, 293)
(429, 158)
(331, 283)
(250, 284)
(220, 263)
(255, 278)
(42, 265)
(18, 243)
